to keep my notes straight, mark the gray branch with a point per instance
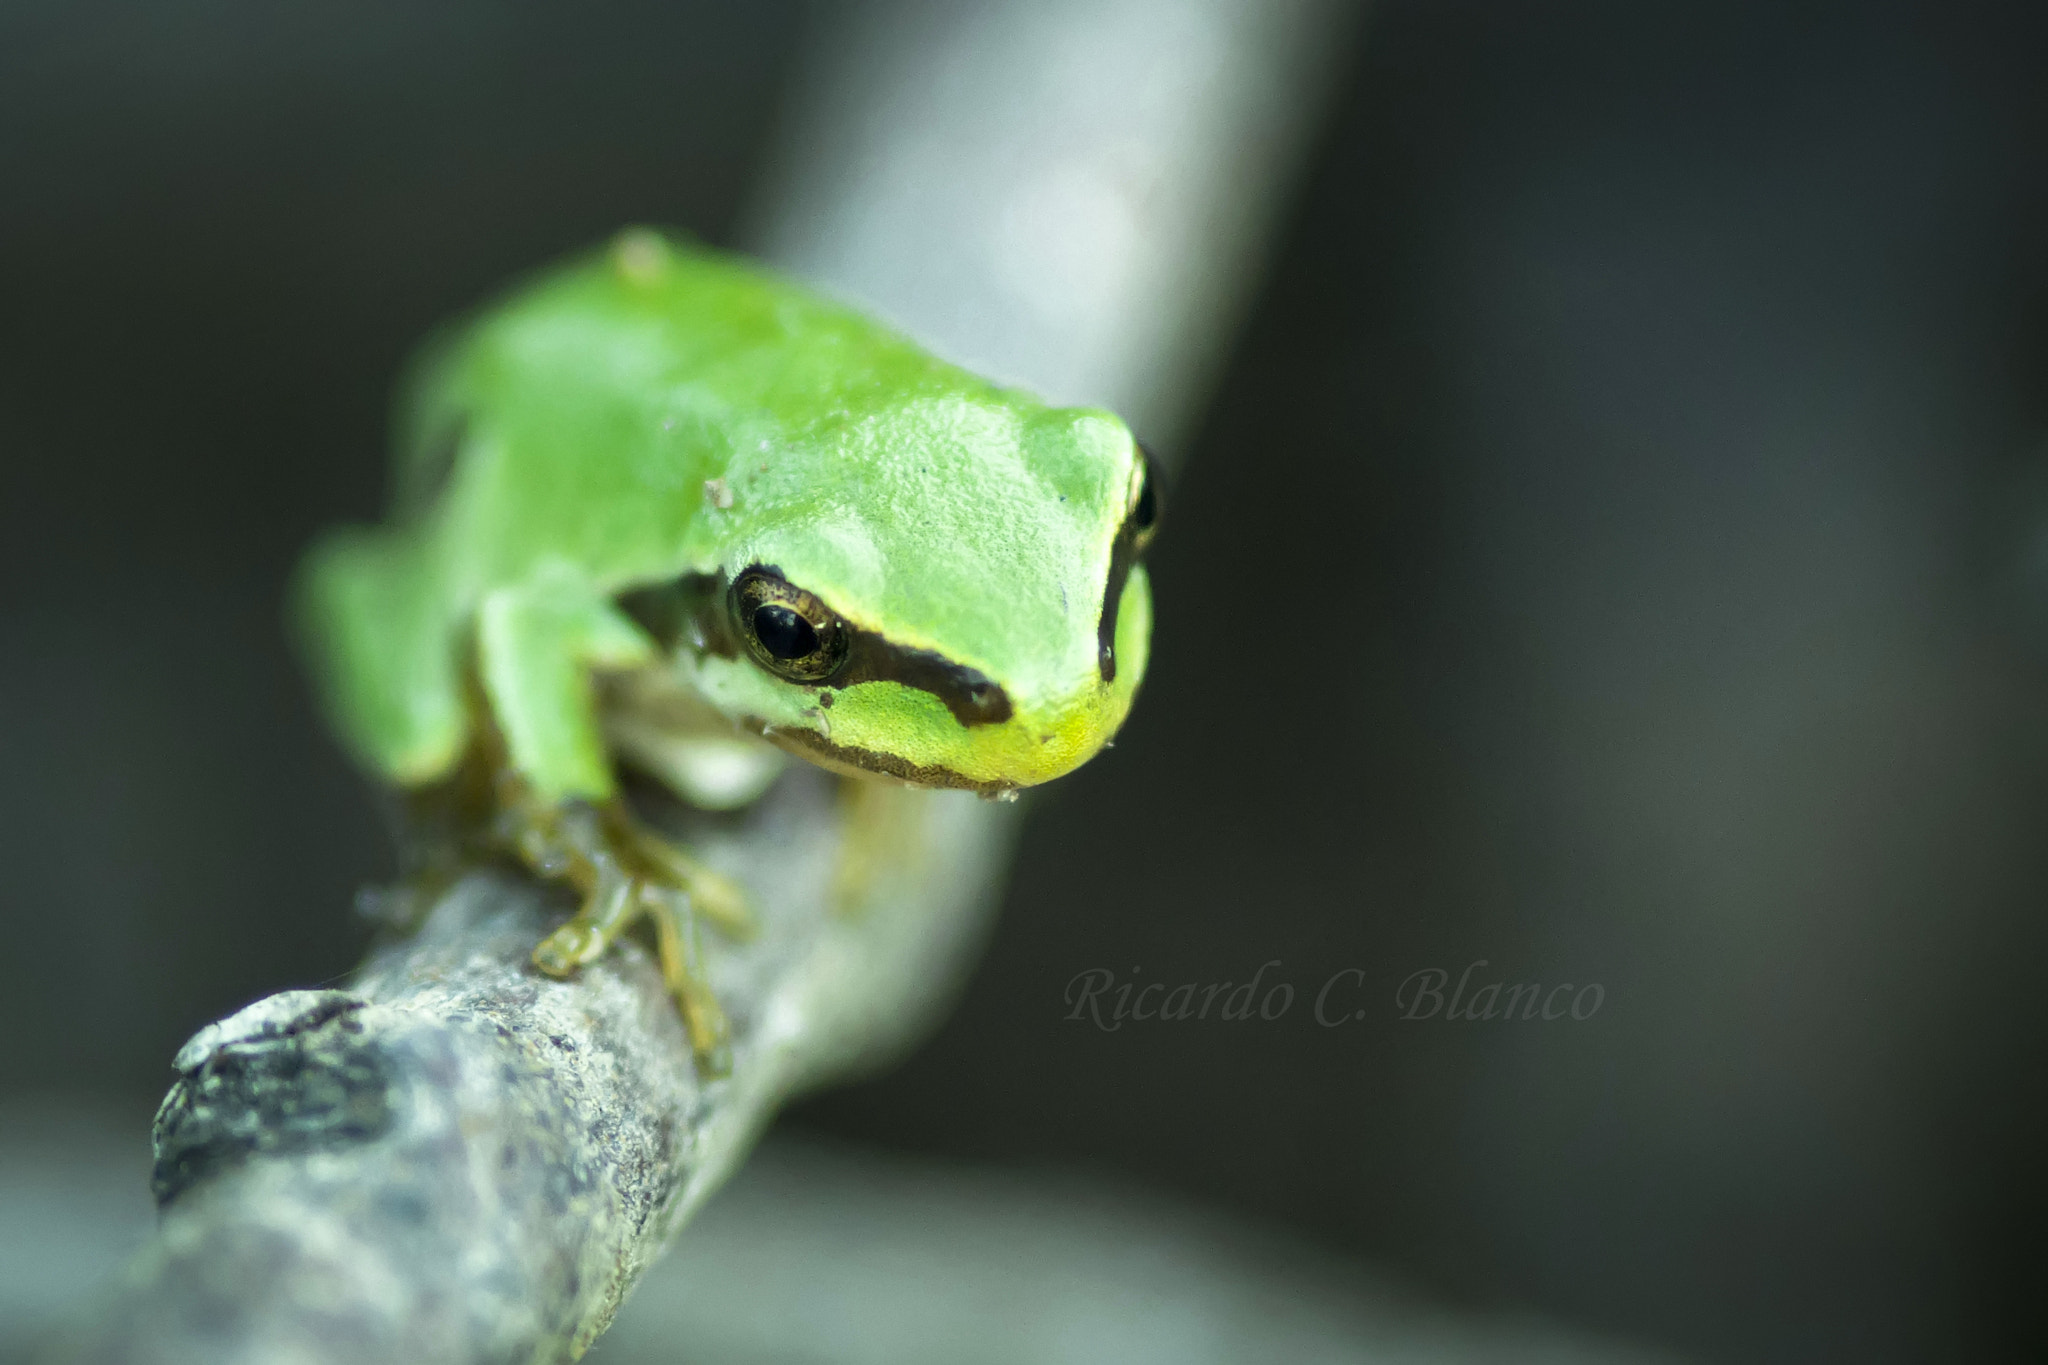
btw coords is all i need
(460, 1160)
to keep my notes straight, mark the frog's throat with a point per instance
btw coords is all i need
(855, 762)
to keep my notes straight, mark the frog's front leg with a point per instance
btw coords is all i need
(558, 805)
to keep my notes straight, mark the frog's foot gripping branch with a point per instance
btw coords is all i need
(624, 872)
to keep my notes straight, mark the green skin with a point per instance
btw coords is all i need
(656, 411)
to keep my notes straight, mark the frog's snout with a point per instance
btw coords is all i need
(1066, 732)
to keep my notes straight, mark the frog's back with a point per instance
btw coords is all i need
(579, 419)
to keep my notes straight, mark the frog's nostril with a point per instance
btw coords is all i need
(988, 701)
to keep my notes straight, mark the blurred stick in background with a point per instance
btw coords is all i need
(459, 1160)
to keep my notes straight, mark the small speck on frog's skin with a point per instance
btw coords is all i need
(717, 494)
(825, 700)
(669, 424)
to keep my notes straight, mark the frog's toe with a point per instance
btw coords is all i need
(566, 949)
(609, 909)
(713, 895)
(626, 871)
(682, 968)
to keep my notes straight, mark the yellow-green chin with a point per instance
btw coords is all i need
(904, 734)
(890, 729)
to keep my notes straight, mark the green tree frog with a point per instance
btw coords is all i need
(661, 508)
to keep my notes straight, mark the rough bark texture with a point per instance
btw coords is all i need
(459, 1159)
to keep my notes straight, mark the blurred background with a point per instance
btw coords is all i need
(1615, 551)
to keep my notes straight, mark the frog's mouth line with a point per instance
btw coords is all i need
(845, 758)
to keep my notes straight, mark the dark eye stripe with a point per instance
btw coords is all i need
(1131, 539)
(971, 695)
(694, 608)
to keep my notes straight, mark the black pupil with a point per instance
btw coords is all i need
(783, 633)
(1147, 509)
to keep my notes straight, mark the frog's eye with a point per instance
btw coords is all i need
(788, 631)
(1145, 508)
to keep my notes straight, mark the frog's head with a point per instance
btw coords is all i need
(949, 594)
